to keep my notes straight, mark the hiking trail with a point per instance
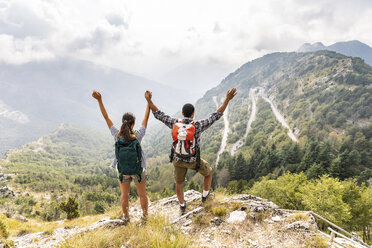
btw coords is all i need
(225, 131)
(280, 118)
(237, 145)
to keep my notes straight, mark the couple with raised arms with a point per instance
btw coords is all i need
(130, 160)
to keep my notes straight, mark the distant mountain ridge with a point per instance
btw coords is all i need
(38, 96)
(353, 48)
(318, 93)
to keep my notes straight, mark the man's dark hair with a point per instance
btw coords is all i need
(188, 109)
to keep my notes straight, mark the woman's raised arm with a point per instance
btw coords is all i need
(146, 117)
(98, 96)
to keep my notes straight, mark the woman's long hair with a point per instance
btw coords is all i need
(126, 127)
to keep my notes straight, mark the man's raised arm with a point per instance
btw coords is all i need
(206, 123)
(166, 119)
(229, 95)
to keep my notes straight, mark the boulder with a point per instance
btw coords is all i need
(6, 192)
(298, 226)
(21, 218)
(237, 217)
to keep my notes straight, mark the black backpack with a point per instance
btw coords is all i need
(129, 157)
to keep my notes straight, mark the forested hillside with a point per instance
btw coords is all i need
(326, 99)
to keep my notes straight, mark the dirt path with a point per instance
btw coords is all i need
(225, 131)
(235, 147)
(281, 119)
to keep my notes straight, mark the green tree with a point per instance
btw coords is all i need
(71, 207)
(284, 191)
(324, 196)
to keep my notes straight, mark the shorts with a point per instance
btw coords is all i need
(135, 178)
(180, 169)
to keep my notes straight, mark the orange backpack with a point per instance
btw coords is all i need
(184, 139)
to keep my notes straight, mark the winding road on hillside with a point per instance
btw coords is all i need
(280, 118)
(225, 131)
(253, 94)
(237, 145)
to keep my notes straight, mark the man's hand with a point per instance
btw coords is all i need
(148, 95)
(230, 94)
(96, 95)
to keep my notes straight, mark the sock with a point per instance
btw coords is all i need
(205, 193)
(182, 205)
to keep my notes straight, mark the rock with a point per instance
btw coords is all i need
(107, 223)
(276, 218)
(21, 218)
(189, 214)
(6, 192)
(253, 203)
(217, 221)
(298, 226)
(236, 217)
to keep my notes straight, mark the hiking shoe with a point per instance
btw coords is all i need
(183, 209)
(204, 199)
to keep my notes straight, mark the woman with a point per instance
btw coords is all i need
(126, 131)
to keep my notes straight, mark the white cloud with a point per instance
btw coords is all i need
(158, 38)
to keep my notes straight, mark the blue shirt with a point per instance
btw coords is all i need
(140, 134)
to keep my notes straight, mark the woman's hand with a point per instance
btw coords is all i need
(96, 95)
(148, 95)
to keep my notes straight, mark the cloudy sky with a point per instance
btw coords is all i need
(189, 44)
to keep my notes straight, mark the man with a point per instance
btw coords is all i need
(182, 163)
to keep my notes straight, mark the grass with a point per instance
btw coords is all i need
(316, 242)
(16, 227)
(201, 220)
(298, 217)
(156, 233)
(218, 211)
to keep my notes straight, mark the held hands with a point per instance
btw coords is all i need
(96, 95)
(148, 95)
(230, 94)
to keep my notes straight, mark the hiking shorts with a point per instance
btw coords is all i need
(135, 178)
(180, 169)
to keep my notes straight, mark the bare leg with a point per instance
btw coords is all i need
(141, 190)
(125, 188)
(179, 192)
(207, 181)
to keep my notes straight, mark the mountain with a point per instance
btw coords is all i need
(38, 96)
(289, 108)
(353, 48)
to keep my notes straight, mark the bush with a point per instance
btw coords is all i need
(3, 230)
(99, 207)
(71, 207)
(218, 211)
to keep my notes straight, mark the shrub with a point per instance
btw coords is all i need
(218, 211)
(3, 230)
(71, 207)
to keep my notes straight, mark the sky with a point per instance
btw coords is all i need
(191, 45)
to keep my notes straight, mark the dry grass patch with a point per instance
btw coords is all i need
(218, 211)
(156, 233)
(316, 242)
(298, 217)
(19, 228)
(201, 220)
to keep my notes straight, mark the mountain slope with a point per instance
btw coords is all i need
(37, 97)
(325, 98)
(353, 48)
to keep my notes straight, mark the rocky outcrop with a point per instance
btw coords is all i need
(237, 221)
(6, 192)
